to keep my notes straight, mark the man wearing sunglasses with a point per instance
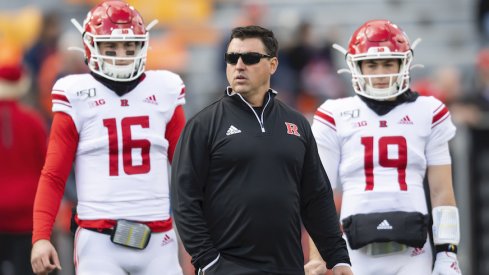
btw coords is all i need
(246, 172)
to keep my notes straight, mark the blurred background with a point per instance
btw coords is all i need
(190, 40)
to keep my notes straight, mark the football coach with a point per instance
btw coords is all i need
(246, 172)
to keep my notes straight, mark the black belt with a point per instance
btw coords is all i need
(106, 231)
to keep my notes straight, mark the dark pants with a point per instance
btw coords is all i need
(226, 267)
(15, 254)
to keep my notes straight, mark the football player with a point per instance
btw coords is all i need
(119, 125)
(377, 145)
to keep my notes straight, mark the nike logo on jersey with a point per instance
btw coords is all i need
(232, 130)
(384, 225)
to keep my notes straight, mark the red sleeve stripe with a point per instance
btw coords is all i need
(326, 117)
(61, 103)
(182, 93)
(439, 122)
(325, 123)
(439, 115)
(438, 108)
(60, 97)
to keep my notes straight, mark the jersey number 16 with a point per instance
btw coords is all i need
(128, 144)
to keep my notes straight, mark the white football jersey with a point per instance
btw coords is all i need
(380, 161)
(121, 163)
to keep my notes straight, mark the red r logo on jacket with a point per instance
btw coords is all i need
(292, 129)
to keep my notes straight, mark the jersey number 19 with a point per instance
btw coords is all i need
(400, 162)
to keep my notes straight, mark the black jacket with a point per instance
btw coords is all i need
(240, 188)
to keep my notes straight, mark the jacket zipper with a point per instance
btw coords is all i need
(260, 121)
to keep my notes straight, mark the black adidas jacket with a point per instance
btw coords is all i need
(240, 188)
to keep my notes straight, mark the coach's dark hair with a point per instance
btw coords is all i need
(265, 35)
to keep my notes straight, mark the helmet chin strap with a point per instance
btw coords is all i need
(382, 94)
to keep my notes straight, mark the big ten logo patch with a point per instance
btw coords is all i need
(357, 124)
(95, 103)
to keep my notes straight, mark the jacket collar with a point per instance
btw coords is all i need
(229, 91)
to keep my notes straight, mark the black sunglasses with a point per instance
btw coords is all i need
(248, 58)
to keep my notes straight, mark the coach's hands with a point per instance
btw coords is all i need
(342, 270)
(44, 257)
(318, 267)
(315, 267)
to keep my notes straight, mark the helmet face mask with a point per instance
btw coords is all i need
(115, 21)
(379, 40)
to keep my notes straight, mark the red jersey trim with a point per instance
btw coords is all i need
(59, 95)
(156, 226)
(326, 119)
(439, 115)
(174, 129)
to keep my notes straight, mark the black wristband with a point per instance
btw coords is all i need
(446, 248)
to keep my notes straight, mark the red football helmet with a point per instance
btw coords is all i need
(115, 21)
(379, 39)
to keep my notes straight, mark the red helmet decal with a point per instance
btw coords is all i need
(378, 34)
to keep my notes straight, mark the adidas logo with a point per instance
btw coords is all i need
(232, 130)
(166, 240)
(405, 120)
(384, 225)
(151, 99)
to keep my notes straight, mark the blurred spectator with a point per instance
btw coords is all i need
(483, 21)
(482, 80)
(479, 165)
(445, 83)
(448, 81)
(293, 60)
(45, 45)
(23, 141)
(252, 13)
(60, 63)
(306, 75)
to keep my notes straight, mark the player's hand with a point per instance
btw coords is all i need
(446, 264)
(44, 257)
(342, 270)
(315, 267)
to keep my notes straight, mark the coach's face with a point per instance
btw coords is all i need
(250, 80)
